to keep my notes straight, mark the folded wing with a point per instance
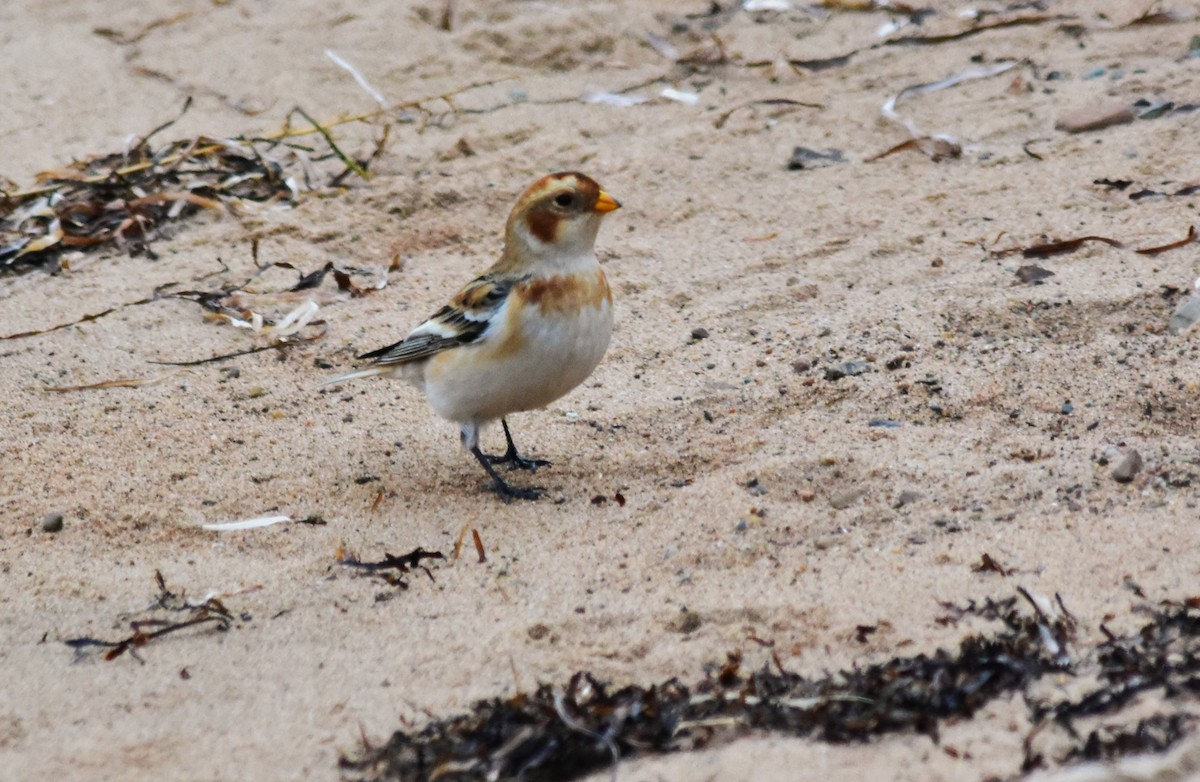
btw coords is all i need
(463, 321)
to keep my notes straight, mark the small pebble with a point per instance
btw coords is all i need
(1156, 110)
(856, 367)
(1185, 315)
(1033, 274)
(907, 497)
(800, 366)
(848, 369)
(52, 523)
(825, 542)
(1095, 117)
(688, 622)
(847, 498)
(699, 333)
(804, 158)
(1128, 467)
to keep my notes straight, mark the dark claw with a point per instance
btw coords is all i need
(514, 459)
(507, 493)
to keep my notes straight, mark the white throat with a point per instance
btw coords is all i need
(573, 252)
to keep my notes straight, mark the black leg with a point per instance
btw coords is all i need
(514, 459)
(506, 492)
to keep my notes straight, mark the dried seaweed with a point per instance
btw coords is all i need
(1066, 246)
(211, 611)
(1047, 249)
(976, 29)
(786, 104)
(987, 564)
(1153, 734)
(1152, 17)
(479, 550)
(913, 13)
(1189, 189)
(561, 732)
(124, 39)
(1163, 656)
(979, 26)
(122, 382)
(392, 568)
(233, 304)
(84, 319)
(274, 345)
(1185, 241)
(936, 149)
(124, 199)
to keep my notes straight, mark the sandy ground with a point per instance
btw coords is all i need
(760, 499)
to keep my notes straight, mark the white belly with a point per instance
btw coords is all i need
(476, 385)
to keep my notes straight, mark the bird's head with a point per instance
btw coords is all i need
(555, 221)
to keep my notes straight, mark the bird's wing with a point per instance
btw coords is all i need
(463, 321)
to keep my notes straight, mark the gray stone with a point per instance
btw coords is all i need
(1128, 467)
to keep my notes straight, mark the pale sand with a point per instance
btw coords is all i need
(834, 264)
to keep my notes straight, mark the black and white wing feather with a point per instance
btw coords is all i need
(464, 320)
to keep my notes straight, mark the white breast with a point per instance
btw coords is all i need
(557, 354)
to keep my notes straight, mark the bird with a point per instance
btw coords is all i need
(521, 335)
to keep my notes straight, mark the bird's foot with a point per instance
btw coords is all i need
(508, 492)
(512, 458)
(516, 461)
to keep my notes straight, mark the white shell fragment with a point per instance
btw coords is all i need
(291, 323)
(358, 77)
(296, 319)
(612, 99)
(244, 524)
(690, 98)
(888, 110)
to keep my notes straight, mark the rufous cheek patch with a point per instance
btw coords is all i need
(543, 225)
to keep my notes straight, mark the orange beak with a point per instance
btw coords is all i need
(606, 203)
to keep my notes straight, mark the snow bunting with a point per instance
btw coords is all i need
(525, 332)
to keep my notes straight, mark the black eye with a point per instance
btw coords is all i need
(564, 200)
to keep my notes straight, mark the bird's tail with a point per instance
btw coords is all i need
(369, 372)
